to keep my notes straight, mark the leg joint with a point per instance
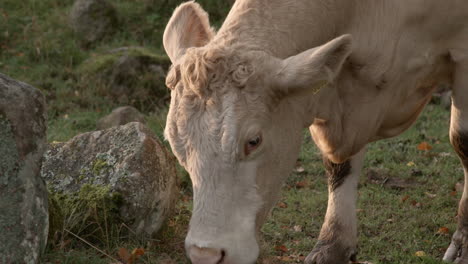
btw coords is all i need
(336, 173)
(459, 140)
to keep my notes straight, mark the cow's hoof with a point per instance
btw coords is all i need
(331, 253)
(457, 252)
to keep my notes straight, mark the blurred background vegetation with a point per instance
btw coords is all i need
(38, 46)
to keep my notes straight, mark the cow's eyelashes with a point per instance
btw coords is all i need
(252, 144)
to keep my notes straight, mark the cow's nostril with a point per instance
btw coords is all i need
(205, 255)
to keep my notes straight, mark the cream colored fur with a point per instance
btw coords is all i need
(376, 62)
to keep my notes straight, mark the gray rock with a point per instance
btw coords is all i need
(93, 19)
(128, 76)
(129, 161)
(121, 116)
(23, 196)
(142, 70)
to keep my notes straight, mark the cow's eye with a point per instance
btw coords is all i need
(252, 144)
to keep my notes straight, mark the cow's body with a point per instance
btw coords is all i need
(400, 51)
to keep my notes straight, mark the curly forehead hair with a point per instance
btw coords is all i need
(207, 69)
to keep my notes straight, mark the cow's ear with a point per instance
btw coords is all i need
(188, 27)
(314, 68)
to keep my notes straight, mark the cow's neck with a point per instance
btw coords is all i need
(282, 27)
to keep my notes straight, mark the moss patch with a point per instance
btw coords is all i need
(91, 213)
(99, 165)
(103, 62)
(126, 76)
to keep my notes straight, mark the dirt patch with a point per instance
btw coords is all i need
(385, 179)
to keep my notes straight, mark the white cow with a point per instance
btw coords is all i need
(352, 71)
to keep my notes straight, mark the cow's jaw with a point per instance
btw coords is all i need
(224, 214)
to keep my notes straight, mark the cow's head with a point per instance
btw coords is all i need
(235, 124)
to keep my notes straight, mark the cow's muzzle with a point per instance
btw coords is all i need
(205, 255)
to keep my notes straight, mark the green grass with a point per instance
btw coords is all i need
(37, 46)
(393, 223)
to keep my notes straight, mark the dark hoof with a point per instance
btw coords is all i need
(457, 252)
(331, 253)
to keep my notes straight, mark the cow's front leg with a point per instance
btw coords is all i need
(458, 249)
(338, 237)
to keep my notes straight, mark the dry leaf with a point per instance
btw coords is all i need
(430, 195)
(424, 146)
(286, 258)
(281, 248)
(420, 254)
(443, 231)
(123, 254)
(301, 184)
(130, 258)
(138, 252)
(404, 198)
(282, 205)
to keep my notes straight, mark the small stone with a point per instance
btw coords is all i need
(125, 164)
(446, 99)
(24, 218)
(121, 116)
(93, 19)
(127, 76)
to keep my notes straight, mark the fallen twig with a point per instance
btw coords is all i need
(91, 245)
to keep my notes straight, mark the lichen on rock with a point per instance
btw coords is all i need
(9, 161)
(23, 195)
(126, 166)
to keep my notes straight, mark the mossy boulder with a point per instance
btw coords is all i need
(132, 76)
(91, 20)
(124, 173)
(120, 116)
(23, 196)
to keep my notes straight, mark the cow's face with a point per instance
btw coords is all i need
(235, 124)
(223, 132)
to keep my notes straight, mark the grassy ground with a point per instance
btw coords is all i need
(407, 197)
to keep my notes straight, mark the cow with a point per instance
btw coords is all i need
(353, 72)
